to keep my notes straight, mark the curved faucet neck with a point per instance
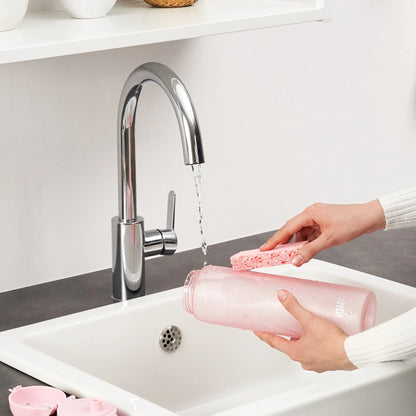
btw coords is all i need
(185, 114)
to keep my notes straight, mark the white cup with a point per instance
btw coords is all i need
(87, 9)
(11, 13)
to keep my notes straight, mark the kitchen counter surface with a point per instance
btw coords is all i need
(391, 255)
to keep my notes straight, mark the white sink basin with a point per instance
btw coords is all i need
(113, 353)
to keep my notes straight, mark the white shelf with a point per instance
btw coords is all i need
(54, 33)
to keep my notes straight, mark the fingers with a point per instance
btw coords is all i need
(306, 253)
(280, 237)
(321, 345)
(284, 234)
(310, 250)
(276, 342)
(287, 346)
(291, 304)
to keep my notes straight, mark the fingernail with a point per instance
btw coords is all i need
(262, 247)
(297, 260)
(282, 295)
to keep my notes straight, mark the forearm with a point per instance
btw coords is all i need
(399, 209)
(391, 341)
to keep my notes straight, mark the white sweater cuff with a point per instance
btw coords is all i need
(399, 209)
(390, 341)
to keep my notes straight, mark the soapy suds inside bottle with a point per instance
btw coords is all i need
(196, 169)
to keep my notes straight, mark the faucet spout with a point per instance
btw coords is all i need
(188, 125)
(130, 242)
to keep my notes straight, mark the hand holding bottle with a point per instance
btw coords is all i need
(321, 345)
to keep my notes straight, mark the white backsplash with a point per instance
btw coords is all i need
(289, 116)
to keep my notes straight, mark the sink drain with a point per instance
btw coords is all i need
(170, 338)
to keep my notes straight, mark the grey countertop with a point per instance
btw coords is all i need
(391, 255)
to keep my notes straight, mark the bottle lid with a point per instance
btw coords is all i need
(87, 407)
(35, 400)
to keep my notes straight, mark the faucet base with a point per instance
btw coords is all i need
(128, 259)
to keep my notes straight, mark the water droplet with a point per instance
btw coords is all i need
(196, 169)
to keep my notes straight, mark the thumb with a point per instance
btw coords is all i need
(291, 304)
(308, 251)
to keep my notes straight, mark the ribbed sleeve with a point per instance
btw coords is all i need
(400, 209)
(390, 341)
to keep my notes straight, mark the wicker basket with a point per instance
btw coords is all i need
(170, 3)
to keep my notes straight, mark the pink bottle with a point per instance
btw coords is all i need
(248, 300)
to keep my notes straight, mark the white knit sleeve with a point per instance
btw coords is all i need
(390, 341)
(399, 209)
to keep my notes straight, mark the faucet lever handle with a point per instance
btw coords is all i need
(163, 241)
(170, 220)
(169, 238)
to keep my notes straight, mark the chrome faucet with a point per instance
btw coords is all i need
(131, 244)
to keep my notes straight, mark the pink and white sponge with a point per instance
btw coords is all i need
(253, 259)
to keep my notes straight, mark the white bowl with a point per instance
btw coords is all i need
(11, 13)
(87, 9)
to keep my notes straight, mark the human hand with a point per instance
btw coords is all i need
(321, 346)
(328, 225)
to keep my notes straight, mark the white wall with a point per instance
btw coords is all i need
(290, 115)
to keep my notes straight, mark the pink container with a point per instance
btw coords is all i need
(45, 401)
(248, 300)
(87, 407)
(35, 400)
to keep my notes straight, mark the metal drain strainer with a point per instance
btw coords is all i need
(170, 338)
